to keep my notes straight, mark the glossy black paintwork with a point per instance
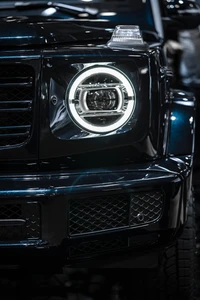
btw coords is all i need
(67, 162)
(182, 123)
(22, 31)
(101, 179)
(38, 30)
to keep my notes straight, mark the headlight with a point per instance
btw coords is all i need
(101, 99)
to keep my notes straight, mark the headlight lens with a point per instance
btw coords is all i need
(101, 99)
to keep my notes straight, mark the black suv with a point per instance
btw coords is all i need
(96, 149)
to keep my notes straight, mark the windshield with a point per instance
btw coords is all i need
(118, 11)
(125, 11)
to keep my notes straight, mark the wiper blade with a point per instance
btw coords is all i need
(70, 9)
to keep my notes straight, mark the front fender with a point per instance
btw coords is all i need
(182, 117)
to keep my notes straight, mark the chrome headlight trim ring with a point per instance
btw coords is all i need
(124, 112)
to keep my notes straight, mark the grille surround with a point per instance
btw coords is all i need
(17, 93)
(114, 212)
(20, 221)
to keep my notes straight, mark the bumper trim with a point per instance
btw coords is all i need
(100, 180)
(22, 244)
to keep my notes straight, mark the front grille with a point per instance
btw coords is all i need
(16, 104)
(19, 221)
(102, 213)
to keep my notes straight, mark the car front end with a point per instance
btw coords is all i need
(88, 177)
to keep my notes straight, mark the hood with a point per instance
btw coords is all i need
(40, 31)
(23, 31)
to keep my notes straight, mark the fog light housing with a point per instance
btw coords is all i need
(101, 99)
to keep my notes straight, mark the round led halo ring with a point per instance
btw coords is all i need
(122, 78)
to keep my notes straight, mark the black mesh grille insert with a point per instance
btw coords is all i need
(98, 213)
(16, 100)
(110, 212)
(19, 221)
(10, 211)
(146, 207)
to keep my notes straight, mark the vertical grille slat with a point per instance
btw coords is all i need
(16, 104)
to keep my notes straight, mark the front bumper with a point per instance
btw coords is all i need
(46, 222)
